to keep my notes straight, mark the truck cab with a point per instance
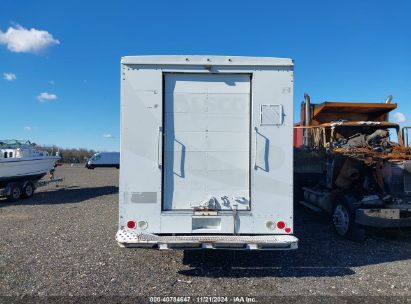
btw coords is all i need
(350, 162)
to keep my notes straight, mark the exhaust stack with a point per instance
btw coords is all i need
(307, 120)
(389, 99)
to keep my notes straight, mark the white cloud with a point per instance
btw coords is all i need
(52, 82)
(399, 117)
(44, 97)
(21, 40)
(108, 136)
(27, 128)
(9, 76)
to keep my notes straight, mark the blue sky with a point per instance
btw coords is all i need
(343, 51)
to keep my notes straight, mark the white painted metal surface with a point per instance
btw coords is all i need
(206, 131)
(207, 60)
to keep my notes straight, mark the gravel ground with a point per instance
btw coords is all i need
(61, 242)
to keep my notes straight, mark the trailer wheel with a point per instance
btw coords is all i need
(15, 192)
(344, 222)
(28, 190)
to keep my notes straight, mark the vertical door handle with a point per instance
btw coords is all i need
(159, 161)
(255, 149)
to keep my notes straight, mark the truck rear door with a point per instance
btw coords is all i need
(206, 151)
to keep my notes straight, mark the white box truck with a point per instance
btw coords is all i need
(206, 152)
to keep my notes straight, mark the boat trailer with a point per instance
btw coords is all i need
(16, 190)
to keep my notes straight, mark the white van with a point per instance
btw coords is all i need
(104, 159)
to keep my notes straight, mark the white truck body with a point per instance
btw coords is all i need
(206, 152)
(104, 159)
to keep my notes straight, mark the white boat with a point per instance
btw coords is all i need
(22, 160)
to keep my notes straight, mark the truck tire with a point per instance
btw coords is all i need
(344, 222)
(15, 192)
(28, 190)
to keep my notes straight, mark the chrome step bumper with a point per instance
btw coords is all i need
(128, 238)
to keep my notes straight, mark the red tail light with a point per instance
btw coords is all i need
(287, 230)
(280, 225)
(131, 224)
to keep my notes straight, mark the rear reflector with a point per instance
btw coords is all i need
(131, 224)
(288, 230)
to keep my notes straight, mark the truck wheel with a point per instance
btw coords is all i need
(342, 219)
(344, 223)
(15, 192)
(28, 190)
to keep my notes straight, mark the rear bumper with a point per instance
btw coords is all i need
(128, 238)
(383, 218)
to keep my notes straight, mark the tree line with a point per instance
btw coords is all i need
(80, 155)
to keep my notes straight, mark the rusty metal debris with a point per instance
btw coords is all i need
(370, 156)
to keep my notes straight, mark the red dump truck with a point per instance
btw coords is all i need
(351, 163)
